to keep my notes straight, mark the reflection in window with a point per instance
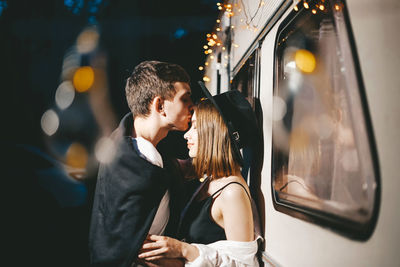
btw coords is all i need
(321, 152)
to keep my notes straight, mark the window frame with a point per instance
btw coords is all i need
(348, 228)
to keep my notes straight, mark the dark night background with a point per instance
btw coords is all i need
(46, 208)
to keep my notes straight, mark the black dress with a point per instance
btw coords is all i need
(197, 225)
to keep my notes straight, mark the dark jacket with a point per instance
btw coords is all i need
(128, 192)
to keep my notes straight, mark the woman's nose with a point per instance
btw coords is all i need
(186, 135)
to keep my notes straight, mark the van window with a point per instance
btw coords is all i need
(324, 168)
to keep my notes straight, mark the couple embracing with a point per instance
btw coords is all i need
(142, 214)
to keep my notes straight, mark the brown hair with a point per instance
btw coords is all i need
(150, 79)
(215, 156)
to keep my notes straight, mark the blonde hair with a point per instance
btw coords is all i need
(215, 156)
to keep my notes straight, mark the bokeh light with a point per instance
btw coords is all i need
(349, 160)
(77, 156)
(50, 122)
(65, 95)
(324, 126)
(305, 60)
(71, 62)
(87, 40)
(105, 150)
(299, 139)
(279, 108)
(83, 79)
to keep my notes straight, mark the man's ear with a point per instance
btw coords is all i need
(158, 105)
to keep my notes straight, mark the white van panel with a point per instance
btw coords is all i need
(293, 242)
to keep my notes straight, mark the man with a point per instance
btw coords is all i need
(139, 191)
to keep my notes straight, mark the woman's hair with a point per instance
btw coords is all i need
(215, 152)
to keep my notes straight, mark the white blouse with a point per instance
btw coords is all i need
(227, 253)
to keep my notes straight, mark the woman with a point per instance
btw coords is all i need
(221, 209)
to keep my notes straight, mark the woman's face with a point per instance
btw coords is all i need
(192, 138)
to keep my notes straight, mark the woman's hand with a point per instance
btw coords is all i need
(157, 247)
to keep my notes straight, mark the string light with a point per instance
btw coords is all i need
(201, 68)
(212, 38)
(206, 79)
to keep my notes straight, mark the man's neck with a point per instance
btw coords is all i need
(149, 129)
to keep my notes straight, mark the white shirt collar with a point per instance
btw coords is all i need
(147, 151)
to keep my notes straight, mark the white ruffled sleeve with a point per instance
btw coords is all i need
(226, 253)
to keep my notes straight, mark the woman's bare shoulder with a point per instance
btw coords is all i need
(233, 191)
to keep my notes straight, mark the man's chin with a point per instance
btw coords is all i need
(180, 128)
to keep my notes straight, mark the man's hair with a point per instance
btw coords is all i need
(215, 156)
(150, 79)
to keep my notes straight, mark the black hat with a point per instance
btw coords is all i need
(238, 116)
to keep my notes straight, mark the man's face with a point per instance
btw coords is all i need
(179, 109)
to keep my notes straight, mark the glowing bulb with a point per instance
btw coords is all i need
(83, 79)
(205, 47)
(305, 60)
(306, 5)
(322, 7)
(87, 40)
(50, 122)
(208, 35)
(218, 21)
(65, 94)
(337, 7)
(206, 63)
(77, 156)
(201, 68)
(209, 51)
(296, 8)
(214, 36)
(314, 11)
(218, 29)
(206, 79)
